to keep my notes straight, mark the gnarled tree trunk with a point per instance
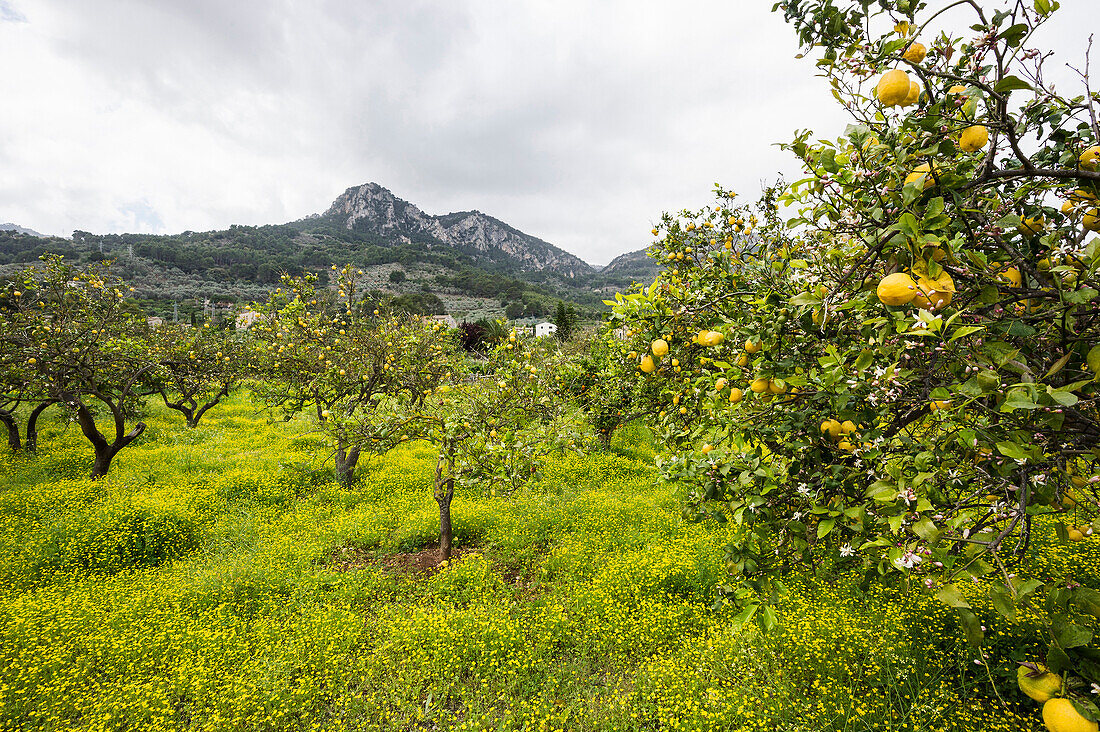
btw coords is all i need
(32, 424)
(104, 451)
(13, 430)
(346, 460)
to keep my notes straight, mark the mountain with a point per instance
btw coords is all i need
(468, 263)
(16, 228)
(638, 266)
(372, 208)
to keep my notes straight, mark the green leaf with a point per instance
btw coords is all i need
(1072, 636)
(1063, 397)
(1058, 365)
(1012, 450)
(1057, 660)
(972, 627)
(963, 331)
(1010, 84)
(824, 527)
(950, 595)
(1002, 601)
(1093, 359)
(1012, 36)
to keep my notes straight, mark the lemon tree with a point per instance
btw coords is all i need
(906, 380)
(196, 367)
(321, 351)
(70, 338)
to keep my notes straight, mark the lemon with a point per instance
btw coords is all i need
(1069, 208)
(743, 359)
(735, 395)
(893, 88)
(1090, 159)
(1012, 276)
(848, 427)
(711, 338)
(1075, 534)
(659, 347)
(973, 138)
(1091, 219)
(720, 384)
(752, 346)
(915, 53)
(913, 95)
(939, 404)
(934, 294)
(845, 445)
(831, 427)
(957, 89)
(1031, 226)
(707, 448)
(921, 171)
(647, 365)
(759, 386)
(1042, 686)
(897, 289)
(777, 386)
(1059, 715)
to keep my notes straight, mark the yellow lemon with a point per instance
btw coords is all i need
(893, 88)
(973, 138)
(707, 448)
(937, 405)
(647, 365)
(659, 347)
(777, 386)
(915, 53)
(735, 395)
(897, 289)
(848, 427)
(759, 386)
(934, 294)
(1012, 276)
(1075, 534)
(913, 96)
(1090, 159)
(1042, 686)
(1031, 226)
(831, 428)
(752, 346)
(1091, 219)
(921, 171)
(720, 384)
(845, 445)
(743, 359)
(1059, 715)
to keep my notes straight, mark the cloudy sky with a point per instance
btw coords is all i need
(578, 122)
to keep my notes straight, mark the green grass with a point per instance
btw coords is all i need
(217, 579)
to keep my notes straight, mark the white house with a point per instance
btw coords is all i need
(545, 329)
(447, 320)
(246, 318)
(154, 322)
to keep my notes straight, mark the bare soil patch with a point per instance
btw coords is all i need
(424, 561)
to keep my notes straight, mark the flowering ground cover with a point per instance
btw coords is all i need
(218, 579)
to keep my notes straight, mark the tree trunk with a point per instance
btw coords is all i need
(444, 492)
(104, 451)
(13, 430)
(446, 535)
(346, 460)
(32, 424)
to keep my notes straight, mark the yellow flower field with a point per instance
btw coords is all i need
(217, 579)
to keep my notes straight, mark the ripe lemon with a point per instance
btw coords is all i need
(711, 338)
(735, 395)
(659, 347)
(831, 428)
(1075, 534)
(848, 427)
(759, 386)
(897, 289)
(893, 88)
(777, 386)
(707, 448)
(752, 346)
(973, 138)
(647, 365)
(934, 294)
(1031, 226)
(915, 53)
(1042, 686)
(939, 404)
(1091, 219)
(913, 96)
(720, 384)
(921, 171)
(1090, 159)
(845, 445)
(743, 359)
(1012, 276)
(1059, 715)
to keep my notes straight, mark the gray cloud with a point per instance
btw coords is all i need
(577, 122)
(9, 14)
